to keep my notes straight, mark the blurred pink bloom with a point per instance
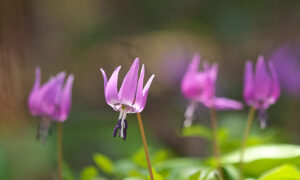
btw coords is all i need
(132, 96)
(51, 101)
(199, 86)
(261, 89)
(286, 60)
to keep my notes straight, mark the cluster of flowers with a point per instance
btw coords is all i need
(261, 89)
(52, 101)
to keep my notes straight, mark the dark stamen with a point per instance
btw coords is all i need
(263, 117)
(117, 127)
(125, 129)
(43, 130)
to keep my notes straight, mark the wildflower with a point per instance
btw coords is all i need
(51, 101)
(261, 89)
(199, 86)
(287, 66)
(131, 98)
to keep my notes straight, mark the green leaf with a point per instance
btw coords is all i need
(89, 173)
(198, 131)
(139, 158)
(286, 171)
(195, 176)
(161, 155)
(230, 172)
(125, 167)
(156, 175)
(67, 172)
(259, 159)
(104, 163)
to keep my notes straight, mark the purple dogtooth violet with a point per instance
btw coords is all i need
(199, 86)
(50, 101)
(130, 98)
(261, 88)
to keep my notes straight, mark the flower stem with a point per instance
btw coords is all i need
(59, 149)
(244, 142)
(145, 145)
(214, 125)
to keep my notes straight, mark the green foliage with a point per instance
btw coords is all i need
(104, 163)
(89, 173)
(67, 173)
(259, 159)
(195, 176)
(285, 171)
(259, 162)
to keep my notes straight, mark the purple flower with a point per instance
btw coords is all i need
(199, 86)
(131, 97)
(51, 101)
(262, 88)
(287, 65)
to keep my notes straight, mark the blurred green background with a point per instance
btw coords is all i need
(82, 36)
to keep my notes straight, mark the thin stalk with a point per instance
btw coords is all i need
(59, 149)
(145, 145)
(214, 125)
(245, 138)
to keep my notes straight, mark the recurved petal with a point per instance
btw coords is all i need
(32, 100)
(275, 89)
(222, 103)
(66, 99)
(194, 65)
(104, 77)
(248, 82)
(128, 88)
(111, 90)
(139, 92)
(140, 105)
(50, 94)
(209, 87)
(262, 79)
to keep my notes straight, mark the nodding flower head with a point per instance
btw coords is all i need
(199, 86)
(132, 96)
(52, 100)
(261, 89)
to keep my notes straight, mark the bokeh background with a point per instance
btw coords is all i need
(79, 37)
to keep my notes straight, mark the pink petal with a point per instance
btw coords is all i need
(128, 88)
(194, 65)
(211, 76)
(248, 82)
(66, 99)
(139, 93)
(275, 89)
(111, 90)
(262, 79)
(145, 94)
(221, 103)
(32, 100)
(142, 93)
(104, 77)
(189, 88)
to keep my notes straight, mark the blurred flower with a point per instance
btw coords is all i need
(131, 97)
(261, 89)
(199, 86)
(287, 64)
(51, 101)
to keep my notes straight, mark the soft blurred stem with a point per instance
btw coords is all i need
(145, 145)
(244, 142)
(214, 125)
(59, 149)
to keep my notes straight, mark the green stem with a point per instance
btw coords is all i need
(214, 125)
(245, 138)
(145, 145)
(59, 150)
